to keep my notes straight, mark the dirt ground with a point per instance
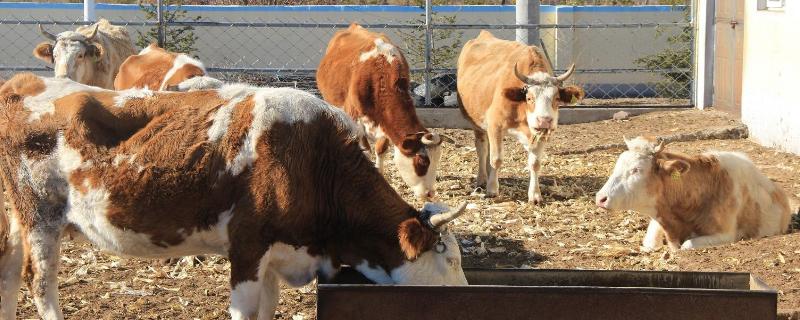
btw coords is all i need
(568, 231)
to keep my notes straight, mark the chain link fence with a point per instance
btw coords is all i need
(623, 56)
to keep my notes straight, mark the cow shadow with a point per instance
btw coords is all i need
(496, 252)
(554, 188)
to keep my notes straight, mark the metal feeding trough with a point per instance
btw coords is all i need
(508, 294)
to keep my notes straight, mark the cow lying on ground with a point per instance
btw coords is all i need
(508, 87)
(694, 201)
(366, 75)
(272, 178)
(158, 69)
(89, 55)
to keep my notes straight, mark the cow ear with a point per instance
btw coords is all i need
(570, 95)
(675, 167)
(514, 94)
(415, 238)
(44, 52)
(95, 50)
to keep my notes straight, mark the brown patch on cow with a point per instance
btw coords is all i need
(693, 195)
(415, 238)
(22, 85)
(149, 69)
(375, 88)
(240, 122)
(183, 73)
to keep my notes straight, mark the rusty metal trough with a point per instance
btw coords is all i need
(510, 294)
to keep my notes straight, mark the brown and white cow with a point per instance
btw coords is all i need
(508, 87)
(366, 75)
(89, 55)
(158, 69)
(264, 176)
(695, 201)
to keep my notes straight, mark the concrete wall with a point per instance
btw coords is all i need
(771, 76)
(291, 47)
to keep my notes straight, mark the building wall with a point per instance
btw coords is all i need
(771, 76)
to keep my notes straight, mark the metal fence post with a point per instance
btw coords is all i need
(88, 10)
(161, 27)
(428, 45)
(527, 12)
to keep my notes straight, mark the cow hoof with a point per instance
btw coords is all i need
(536, 200)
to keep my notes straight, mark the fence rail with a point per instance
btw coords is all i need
(627, 58)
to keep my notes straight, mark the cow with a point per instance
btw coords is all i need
(89, 55)
(508, 87)
(158, 69)
(694, 201)
(365, 74)
(272, 178)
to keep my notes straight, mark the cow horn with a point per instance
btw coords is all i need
(445, 217)
(94, 33)
(521, 76)
(447, 139)
(46, 34)
(431, 138)
(567, 74)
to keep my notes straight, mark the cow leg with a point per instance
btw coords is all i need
(43, 252)
(482, 149)
(495, 161)
(534, 165)
(270, 292)
(10, 270)
(381, 151)
(654, 238)
(709, 241)
(246, 254)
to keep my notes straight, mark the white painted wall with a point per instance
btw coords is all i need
(771, 76)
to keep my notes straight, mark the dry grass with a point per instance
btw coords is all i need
(566, 232)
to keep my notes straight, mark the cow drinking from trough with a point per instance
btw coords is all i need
(694, 201)
(264, 176)
(507, 87)
(366, 75)
(158, 69)
(89, 55)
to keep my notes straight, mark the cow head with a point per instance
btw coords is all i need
(417, 158)
(432, 254)
(636, 171)
(73, 55)
(543, 94)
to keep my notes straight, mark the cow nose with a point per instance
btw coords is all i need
(544, 122)
(602, 202)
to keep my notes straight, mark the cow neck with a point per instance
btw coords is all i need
(372, 212)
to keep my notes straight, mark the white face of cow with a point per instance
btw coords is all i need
(419, 170)
(543, 94)
(434, 268)
(626, 188)
(440, 265)
(72, 54)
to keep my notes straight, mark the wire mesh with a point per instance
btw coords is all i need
(621, 59)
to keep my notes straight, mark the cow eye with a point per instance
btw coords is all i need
(635, 170)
